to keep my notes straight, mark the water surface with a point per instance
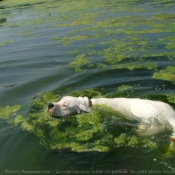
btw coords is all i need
(119, 48)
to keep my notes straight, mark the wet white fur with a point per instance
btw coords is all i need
(144, 111)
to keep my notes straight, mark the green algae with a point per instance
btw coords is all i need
(133, 45)
(171, 98)
(133, 141)
(18, 120)
(91, 21)
(149, 143)
(5, 112)
(26, 33)
(79, 61)
(100, 130)
(90, 93)
(132, 66)
(6, 43)
(121, 139)
(95, 131)
(124, 87)
(166, 74)
(123, 38)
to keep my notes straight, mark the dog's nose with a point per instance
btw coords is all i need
(50, 105)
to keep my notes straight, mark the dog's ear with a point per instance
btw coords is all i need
(82, 109)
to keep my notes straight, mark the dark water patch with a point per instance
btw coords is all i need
(3, 20)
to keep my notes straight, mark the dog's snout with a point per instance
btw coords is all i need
(50, 105)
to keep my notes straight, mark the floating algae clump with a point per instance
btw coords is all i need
(132, 141)
(121, 139)
(79, 61)
(167, 74)
(5, 112)
(100, 130)
(6, 43)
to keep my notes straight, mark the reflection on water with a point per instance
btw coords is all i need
(120, 48)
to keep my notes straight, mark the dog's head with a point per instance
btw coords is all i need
(69, 105)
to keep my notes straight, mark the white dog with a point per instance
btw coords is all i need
(154, 116)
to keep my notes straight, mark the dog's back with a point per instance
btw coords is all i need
(140, 109)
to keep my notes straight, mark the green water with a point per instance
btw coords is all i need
(109, 48)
